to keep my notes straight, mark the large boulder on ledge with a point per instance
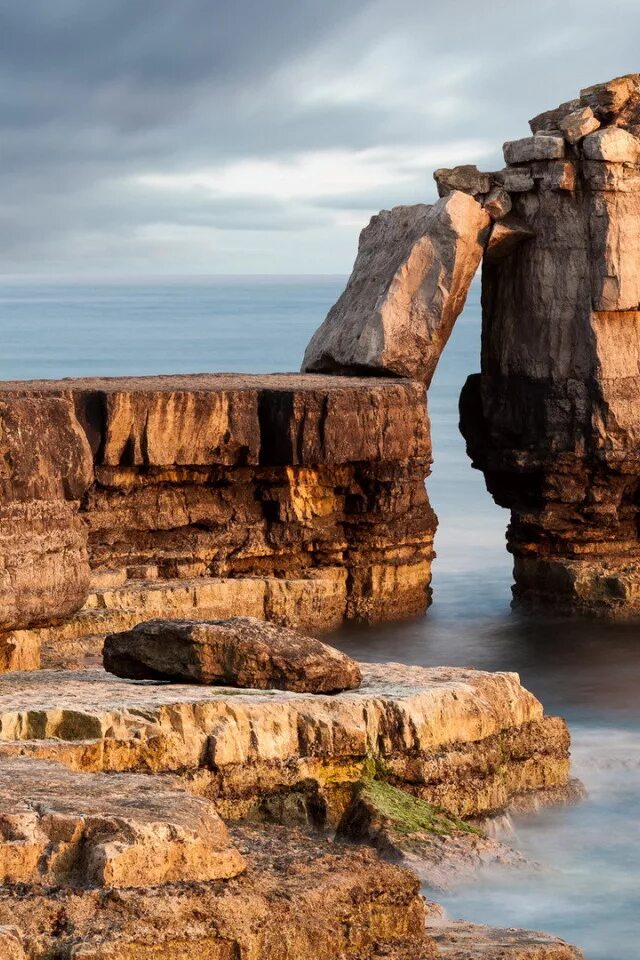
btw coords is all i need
(238, 652)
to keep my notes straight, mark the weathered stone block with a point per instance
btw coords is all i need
(612, 144)
(68, 829)
(538, 147)
(409, 284)
(238, 652)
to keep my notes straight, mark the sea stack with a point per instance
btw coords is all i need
(552, 419)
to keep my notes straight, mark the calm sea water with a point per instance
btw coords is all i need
(589, 673)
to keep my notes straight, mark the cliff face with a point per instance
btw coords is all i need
(294, 498)
(552, 418)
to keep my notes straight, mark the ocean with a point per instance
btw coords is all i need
(588, 672)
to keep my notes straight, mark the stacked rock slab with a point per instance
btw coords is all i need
(552, 419)
(298, 499)
(467, 741)
(409, 284)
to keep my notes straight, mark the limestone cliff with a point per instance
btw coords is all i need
(552, 418)
(298, 499)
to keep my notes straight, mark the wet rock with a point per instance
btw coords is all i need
(67, 829)
(538, 147)
(442, 849)
(458, 940)
(239, 652)
(409, 284)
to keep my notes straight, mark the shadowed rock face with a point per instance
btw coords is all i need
(45, 468)
(408, 286)
(238, 652)
(552, 420)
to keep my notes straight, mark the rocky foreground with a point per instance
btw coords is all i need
(141, 819)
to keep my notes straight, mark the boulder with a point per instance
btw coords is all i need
(497, 203)
(409, 284)
(238, 652)
(579, 124)
(466, 178)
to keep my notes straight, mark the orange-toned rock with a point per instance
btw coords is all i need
(69, 829)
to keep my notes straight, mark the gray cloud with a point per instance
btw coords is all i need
(297, 120)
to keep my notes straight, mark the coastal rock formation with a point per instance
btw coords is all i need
(301, 897)
(457, 940)
(45, 469)
(59, 828)
(463, 740)
(442, 849)
(409, 284)
(552, 418)
(299, 499)
(238, 652)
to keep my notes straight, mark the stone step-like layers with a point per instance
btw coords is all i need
(465, 740)
(284, 477)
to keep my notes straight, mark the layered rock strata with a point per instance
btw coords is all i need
(300, 896)
(59, 828)
(238, 652)
(298, 499)
(552, 418)
(467, 741)
(409, 284)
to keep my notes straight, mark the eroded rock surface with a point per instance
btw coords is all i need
(59, 828)
(552, 418)
(45, 468)
(238, 652)
(409, 284)
(458, 940)
(299, 499)
(300, 897)
(467, 741)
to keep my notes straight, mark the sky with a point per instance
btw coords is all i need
(172, 137)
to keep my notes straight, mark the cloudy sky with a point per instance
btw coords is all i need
(257, 136)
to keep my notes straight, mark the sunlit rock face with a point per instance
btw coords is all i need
(552, 419)
(294, 498)
(408, 286)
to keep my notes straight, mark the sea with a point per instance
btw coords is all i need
(589, 672)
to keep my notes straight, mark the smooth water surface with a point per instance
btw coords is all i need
(588, 672)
